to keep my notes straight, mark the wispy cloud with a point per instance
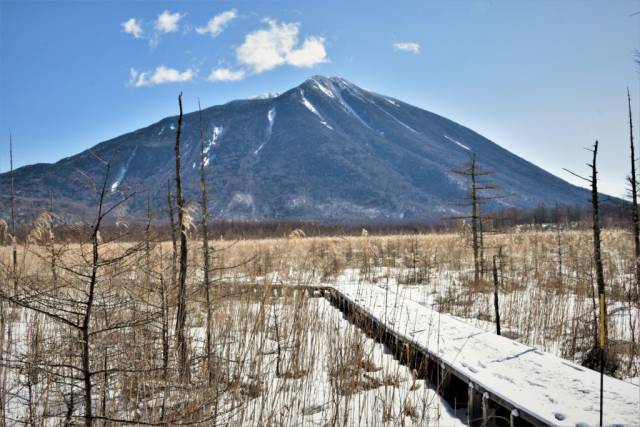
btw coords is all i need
(161, 75)
(269, 48)
(167, 22)
(133, 27)
(407, 47)
(226, 74)
(276, 44)
(218, 23)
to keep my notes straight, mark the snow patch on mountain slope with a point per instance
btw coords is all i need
(335, 86)
(346, 85)
(309, 105)
(323, 88)
(215, 138)
(403, 123)
(122, 172)
(216, 134)
(266, 95)
(241, 199)
(400, 122)
(357, 92)
(311, 108)
(457, 143)
(271, 117)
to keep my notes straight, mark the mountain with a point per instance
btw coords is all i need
(326, 150)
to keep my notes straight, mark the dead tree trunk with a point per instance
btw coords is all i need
(597, 255)
(174, 237)
(475, 221)
(86, 321)
(594, 311)
(599, 350)
(474, 199)
(205, 248)
(181, 315)
(559, 252)
(165, 336)
(634, 199)
(495, 294)
(164, 291)
(147, 246)
(14, 251)
(278, 344)
(105, 374)
(52, 246)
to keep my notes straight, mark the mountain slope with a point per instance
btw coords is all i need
(325, 150)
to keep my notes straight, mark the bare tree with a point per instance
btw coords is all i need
(205, 247)
(86, 321)
(181, 315)
(73, 304)
(14, 252)
(634, 198)
(599, 270)
(474, 199)
(597, 260)
(558, 228)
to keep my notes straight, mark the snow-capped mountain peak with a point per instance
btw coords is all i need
(325, 150)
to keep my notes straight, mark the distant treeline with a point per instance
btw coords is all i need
(614, 214)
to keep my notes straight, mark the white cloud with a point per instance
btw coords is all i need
(407, 47)
(266, 49)
(218, 23)
(311, 53)
(226, 74)
(167, 22)
(160, 75)
(132, 27)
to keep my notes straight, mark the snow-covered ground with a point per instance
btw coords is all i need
(327, 372)
(338, 375)
(555, 320)
(431, 300)
(553, 390)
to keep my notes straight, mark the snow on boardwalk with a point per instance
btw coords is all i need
(540, 384)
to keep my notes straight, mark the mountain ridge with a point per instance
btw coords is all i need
(325, 150)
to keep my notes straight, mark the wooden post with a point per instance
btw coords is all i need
(485, 409)
(495, 294)
(443, 379)
(513, 417)
(470, 406)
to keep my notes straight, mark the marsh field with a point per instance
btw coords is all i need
(261, 359)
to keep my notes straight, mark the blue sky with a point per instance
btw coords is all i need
(541, 78)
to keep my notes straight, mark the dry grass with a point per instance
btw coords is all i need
(268, 352)
(546, 280)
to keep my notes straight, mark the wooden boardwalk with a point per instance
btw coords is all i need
(498, 380)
